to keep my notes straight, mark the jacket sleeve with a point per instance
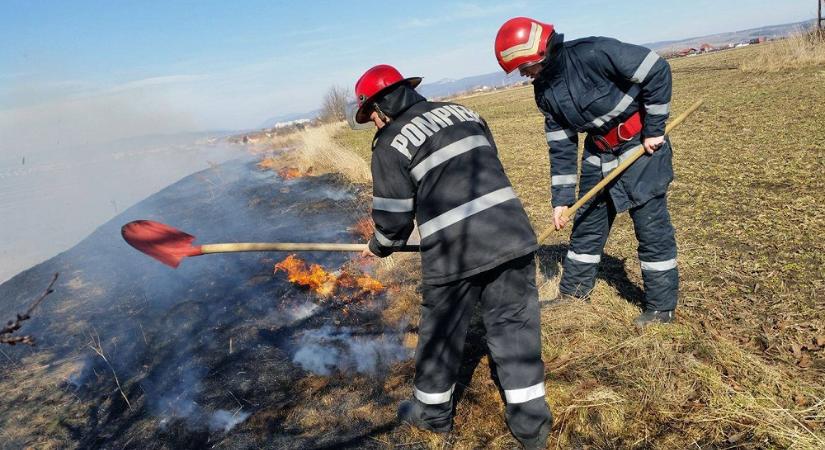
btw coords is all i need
(564, 167)
(393, 201)
(646, 68)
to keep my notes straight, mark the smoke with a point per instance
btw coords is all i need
(179, 404)
(223, 420)
(327, 349)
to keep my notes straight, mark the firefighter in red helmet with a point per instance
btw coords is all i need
(436, 163)
(619, 95)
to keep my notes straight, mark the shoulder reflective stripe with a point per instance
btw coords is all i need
(618, 109)
(560, 135)
(466, 210)
(644, 67)
(392, 204)
(658, 110)
(445, 153)
(436, 398)
(563, 180)
(659, 266)
(594, 160)
(387, 242)
(580, 257)
(525, 394)
(610, 165)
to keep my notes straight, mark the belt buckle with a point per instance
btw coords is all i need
(601, 143)
(619, 133)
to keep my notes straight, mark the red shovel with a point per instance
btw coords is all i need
(170, 245)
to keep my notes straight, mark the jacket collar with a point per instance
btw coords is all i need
(555, 50)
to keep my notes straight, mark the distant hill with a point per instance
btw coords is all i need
(771, 31)
(447, 87)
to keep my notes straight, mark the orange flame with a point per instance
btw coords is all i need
(315, 277)
(288, 173)
(325, 284)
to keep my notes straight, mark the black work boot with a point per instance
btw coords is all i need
(562, 299)
(651, 316)
(411, 412)
(540, 441)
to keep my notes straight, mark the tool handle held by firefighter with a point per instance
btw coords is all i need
(170, 245)
(634, 155)
(290, 247)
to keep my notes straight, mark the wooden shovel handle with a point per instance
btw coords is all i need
(634, 155)
(290, 247)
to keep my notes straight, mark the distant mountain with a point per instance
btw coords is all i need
(732, 37)
(448, 87)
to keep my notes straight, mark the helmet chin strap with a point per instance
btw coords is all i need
(384, 118)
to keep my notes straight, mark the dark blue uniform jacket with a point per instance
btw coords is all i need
(590, 85)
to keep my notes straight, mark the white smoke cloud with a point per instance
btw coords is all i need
(327, 349)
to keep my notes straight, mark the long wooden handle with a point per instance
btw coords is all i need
(634, 155)
(290, 247)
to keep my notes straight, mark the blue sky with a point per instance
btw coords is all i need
(104, 69)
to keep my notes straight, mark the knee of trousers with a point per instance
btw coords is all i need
(530, 419)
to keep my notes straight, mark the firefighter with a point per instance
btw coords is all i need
(436, 163)
(619, 94)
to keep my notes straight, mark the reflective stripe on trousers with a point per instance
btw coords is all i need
(657, 250)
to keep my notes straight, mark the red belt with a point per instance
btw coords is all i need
(619, 134)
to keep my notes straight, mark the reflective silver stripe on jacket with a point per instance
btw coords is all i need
(580, 257)
(594, 160)
(524, 395)
(644, 68)
(658, 110)
(563, 180)
(659, 266)
(610, 165)
(445, 153)
(436, 398)
(560, 135)
(387, 242)
(466, 210)
(620, 107)
(392, 204)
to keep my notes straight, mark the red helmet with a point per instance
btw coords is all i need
(374, 82)
(522, 41)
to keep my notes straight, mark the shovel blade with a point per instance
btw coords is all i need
(160, 241)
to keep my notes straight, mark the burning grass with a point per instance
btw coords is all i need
(345, 285)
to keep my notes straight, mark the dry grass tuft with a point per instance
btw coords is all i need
(804, 49)
(668, 387)
(314, 151)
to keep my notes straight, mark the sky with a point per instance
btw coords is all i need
(84, 72)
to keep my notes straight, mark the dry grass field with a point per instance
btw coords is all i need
(744, 366)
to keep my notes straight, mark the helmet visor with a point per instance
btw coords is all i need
(351, 110)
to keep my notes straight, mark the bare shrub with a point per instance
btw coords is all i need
(334, 107)
(803, 49)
